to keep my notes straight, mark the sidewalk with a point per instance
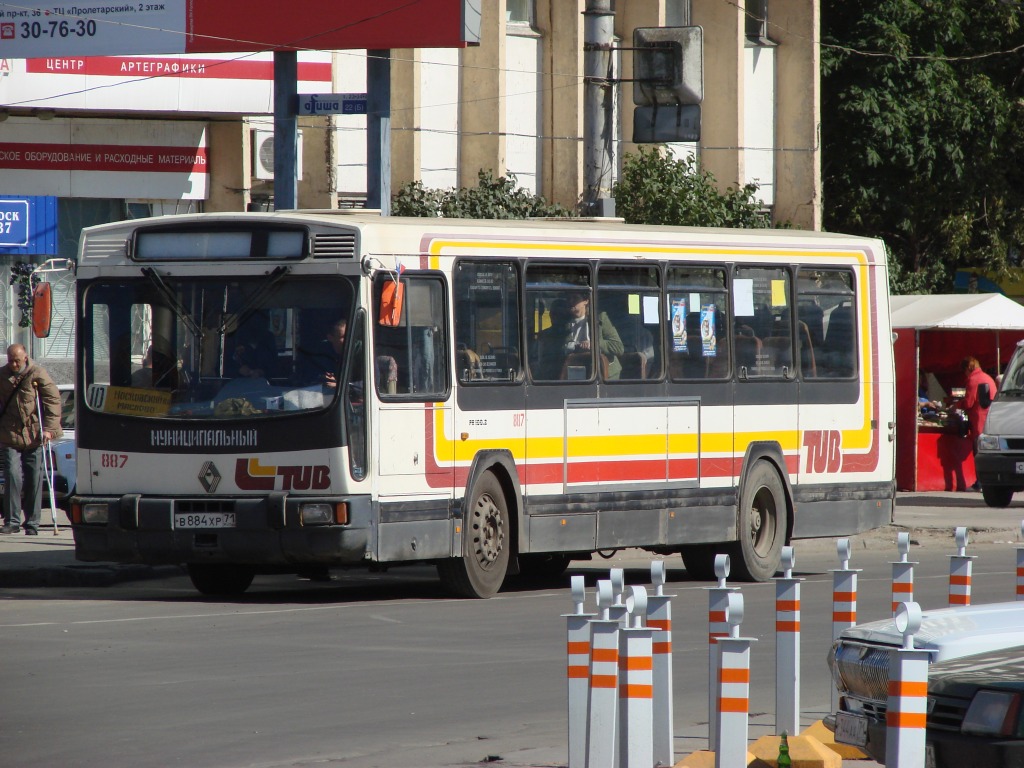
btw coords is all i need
(49, 561)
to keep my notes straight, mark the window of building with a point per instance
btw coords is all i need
(757, 22)
(519, 11)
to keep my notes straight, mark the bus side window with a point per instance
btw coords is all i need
(412, 355)
(826, 308)
(487, 325)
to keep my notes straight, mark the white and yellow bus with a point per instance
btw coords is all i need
(292, 391)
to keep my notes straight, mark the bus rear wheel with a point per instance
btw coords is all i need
(220, 578)
(761, 525)
(486, 543)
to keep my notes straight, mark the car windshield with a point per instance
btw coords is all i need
(1013, 379)
(164, 347)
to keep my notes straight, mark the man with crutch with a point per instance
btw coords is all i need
(23, 437)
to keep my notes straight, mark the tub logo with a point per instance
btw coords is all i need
(824, 451)
(250, 475)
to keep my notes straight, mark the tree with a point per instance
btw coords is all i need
(491, 199)
(922, 136)
(656, 188)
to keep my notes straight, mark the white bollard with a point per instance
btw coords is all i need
(603, 696)
(844, 600)
(1020, 566)
(960, 567)
(718, 626)
(578, 673)
(733, 690)
(618, 610)
(787, 647)
(907, 711)
(636, 686)
(659, 617)
(902, 573)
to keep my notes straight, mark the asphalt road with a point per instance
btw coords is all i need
(385, 670)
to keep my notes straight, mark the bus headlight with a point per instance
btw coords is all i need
(94, 513)
(316, 513)
(988, 442)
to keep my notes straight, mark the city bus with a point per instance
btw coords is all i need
(297, 391)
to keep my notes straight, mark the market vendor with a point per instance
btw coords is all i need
(976, 407)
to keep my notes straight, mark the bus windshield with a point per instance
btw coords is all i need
(166, 347)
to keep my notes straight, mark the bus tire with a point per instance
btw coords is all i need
(699, 560)
(220, 578)
(761, 525)
(486, 543)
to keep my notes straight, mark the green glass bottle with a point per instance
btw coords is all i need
(784, 761)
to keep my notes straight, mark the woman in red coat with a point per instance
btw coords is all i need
(976, 412)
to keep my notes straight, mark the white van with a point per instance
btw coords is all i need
(1000, 459)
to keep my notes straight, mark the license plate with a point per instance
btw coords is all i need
(851, 729)
(204, 520)
(1020, 467)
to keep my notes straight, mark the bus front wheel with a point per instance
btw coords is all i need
(220, 578)
(486, 543)
(761, 530)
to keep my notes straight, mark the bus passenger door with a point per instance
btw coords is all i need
(767, 390)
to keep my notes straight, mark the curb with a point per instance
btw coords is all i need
(84, 575)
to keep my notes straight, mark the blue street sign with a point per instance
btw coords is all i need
(28, 225)
(332, 104)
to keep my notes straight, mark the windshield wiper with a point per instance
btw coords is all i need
(172, 300)
(235, 321)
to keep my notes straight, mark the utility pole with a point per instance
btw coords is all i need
(286, 134)
(598, 108)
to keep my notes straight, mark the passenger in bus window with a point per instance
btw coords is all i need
(609, 343)
(553, 342)
(320, 363)
(253, 350)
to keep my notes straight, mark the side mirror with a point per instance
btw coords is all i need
(392, 297)
(42, 310)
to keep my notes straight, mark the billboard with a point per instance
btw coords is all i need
(41, 28)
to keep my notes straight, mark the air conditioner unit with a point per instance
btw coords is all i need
(263, 154)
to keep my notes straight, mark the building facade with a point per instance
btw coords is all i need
(117, 137)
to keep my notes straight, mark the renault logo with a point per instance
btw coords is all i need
(209, 477)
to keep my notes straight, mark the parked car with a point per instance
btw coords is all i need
(975, 685)
(62, 453)
(999, 462)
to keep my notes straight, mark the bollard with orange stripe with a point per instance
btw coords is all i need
(603, 694)
(718, 627)
(844, 600)
(787, 647)
(659, 618)
(733, 689)
(907, 710)
(636, 686)
(960, 567)
(1020, 566)
(578, 673)
(902, 573)
(617, 610)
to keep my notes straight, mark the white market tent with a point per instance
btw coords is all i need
(957, 311)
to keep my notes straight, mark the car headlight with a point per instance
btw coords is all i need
(988, 442)
(993, 713)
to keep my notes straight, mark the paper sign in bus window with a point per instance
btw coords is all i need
(778, 293)
(651, 316)
(708, 338)
(679, 325)
(743, 296)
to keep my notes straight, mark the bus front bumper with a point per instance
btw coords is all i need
(267, 530)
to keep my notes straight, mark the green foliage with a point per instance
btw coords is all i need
(923, 133)
(656, 188)
(491, 199)
(21, 276)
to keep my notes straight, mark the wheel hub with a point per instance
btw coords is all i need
(490, 535)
